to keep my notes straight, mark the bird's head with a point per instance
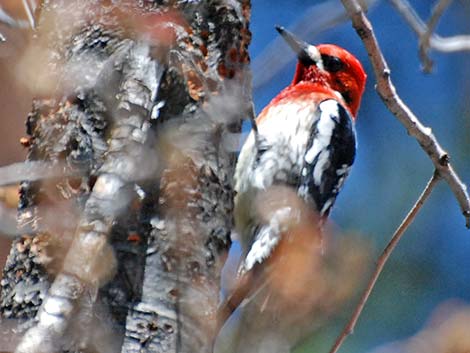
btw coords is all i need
(330, 65)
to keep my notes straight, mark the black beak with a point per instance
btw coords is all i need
(298, 46)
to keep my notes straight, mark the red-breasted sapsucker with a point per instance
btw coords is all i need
(305, 142)
(305, 139)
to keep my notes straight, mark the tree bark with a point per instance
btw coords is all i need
(146, 95)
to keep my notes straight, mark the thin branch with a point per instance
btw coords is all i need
(402, 112)
(349, 328)
(29, 14)
(436, 42)
(424, 41)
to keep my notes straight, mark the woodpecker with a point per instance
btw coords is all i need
(304, 141)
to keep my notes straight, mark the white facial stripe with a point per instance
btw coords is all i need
(263, 246)
(315, 55)
(325, 128)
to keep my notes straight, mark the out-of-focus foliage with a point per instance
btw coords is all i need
(446, 332)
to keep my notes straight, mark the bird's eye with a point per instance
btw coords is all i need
(332, 63)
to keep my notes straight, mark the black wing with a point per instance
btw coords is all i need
(329, 155)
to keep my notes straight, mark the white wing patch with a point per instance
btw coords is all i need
(263, 246)
(345, 168)
(327, 204)
(322, 163)
(326, 125)
(269, 236)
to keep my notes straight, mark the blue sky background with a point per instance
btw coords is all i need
(432, 263)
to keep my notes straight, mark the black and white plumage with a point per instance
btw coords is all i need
(329, 157)
(308, 147)
(289, 173)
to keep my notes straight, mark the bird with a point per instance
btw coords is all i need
(294, 163)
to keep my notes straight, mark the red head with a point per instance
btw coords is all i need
(329, 65)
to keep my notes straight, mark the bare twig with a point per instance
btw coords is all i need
(402, 112)
(424, 40)
(349, 328)
(29, 13)
(436, 42)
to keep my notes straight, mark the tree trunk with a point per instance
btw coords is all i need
(140, 104)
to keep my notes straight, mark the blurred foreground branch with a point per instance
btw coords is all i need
(29, 10)
(382, 260)
(127, 186)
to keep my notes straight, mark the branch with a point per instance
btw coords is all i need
(29, 13)
(35, 170)
(90, 260)
(155, 201)
(402, 112)
(349, 328)
(424, 42)
(424, 137)
(436, 42)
